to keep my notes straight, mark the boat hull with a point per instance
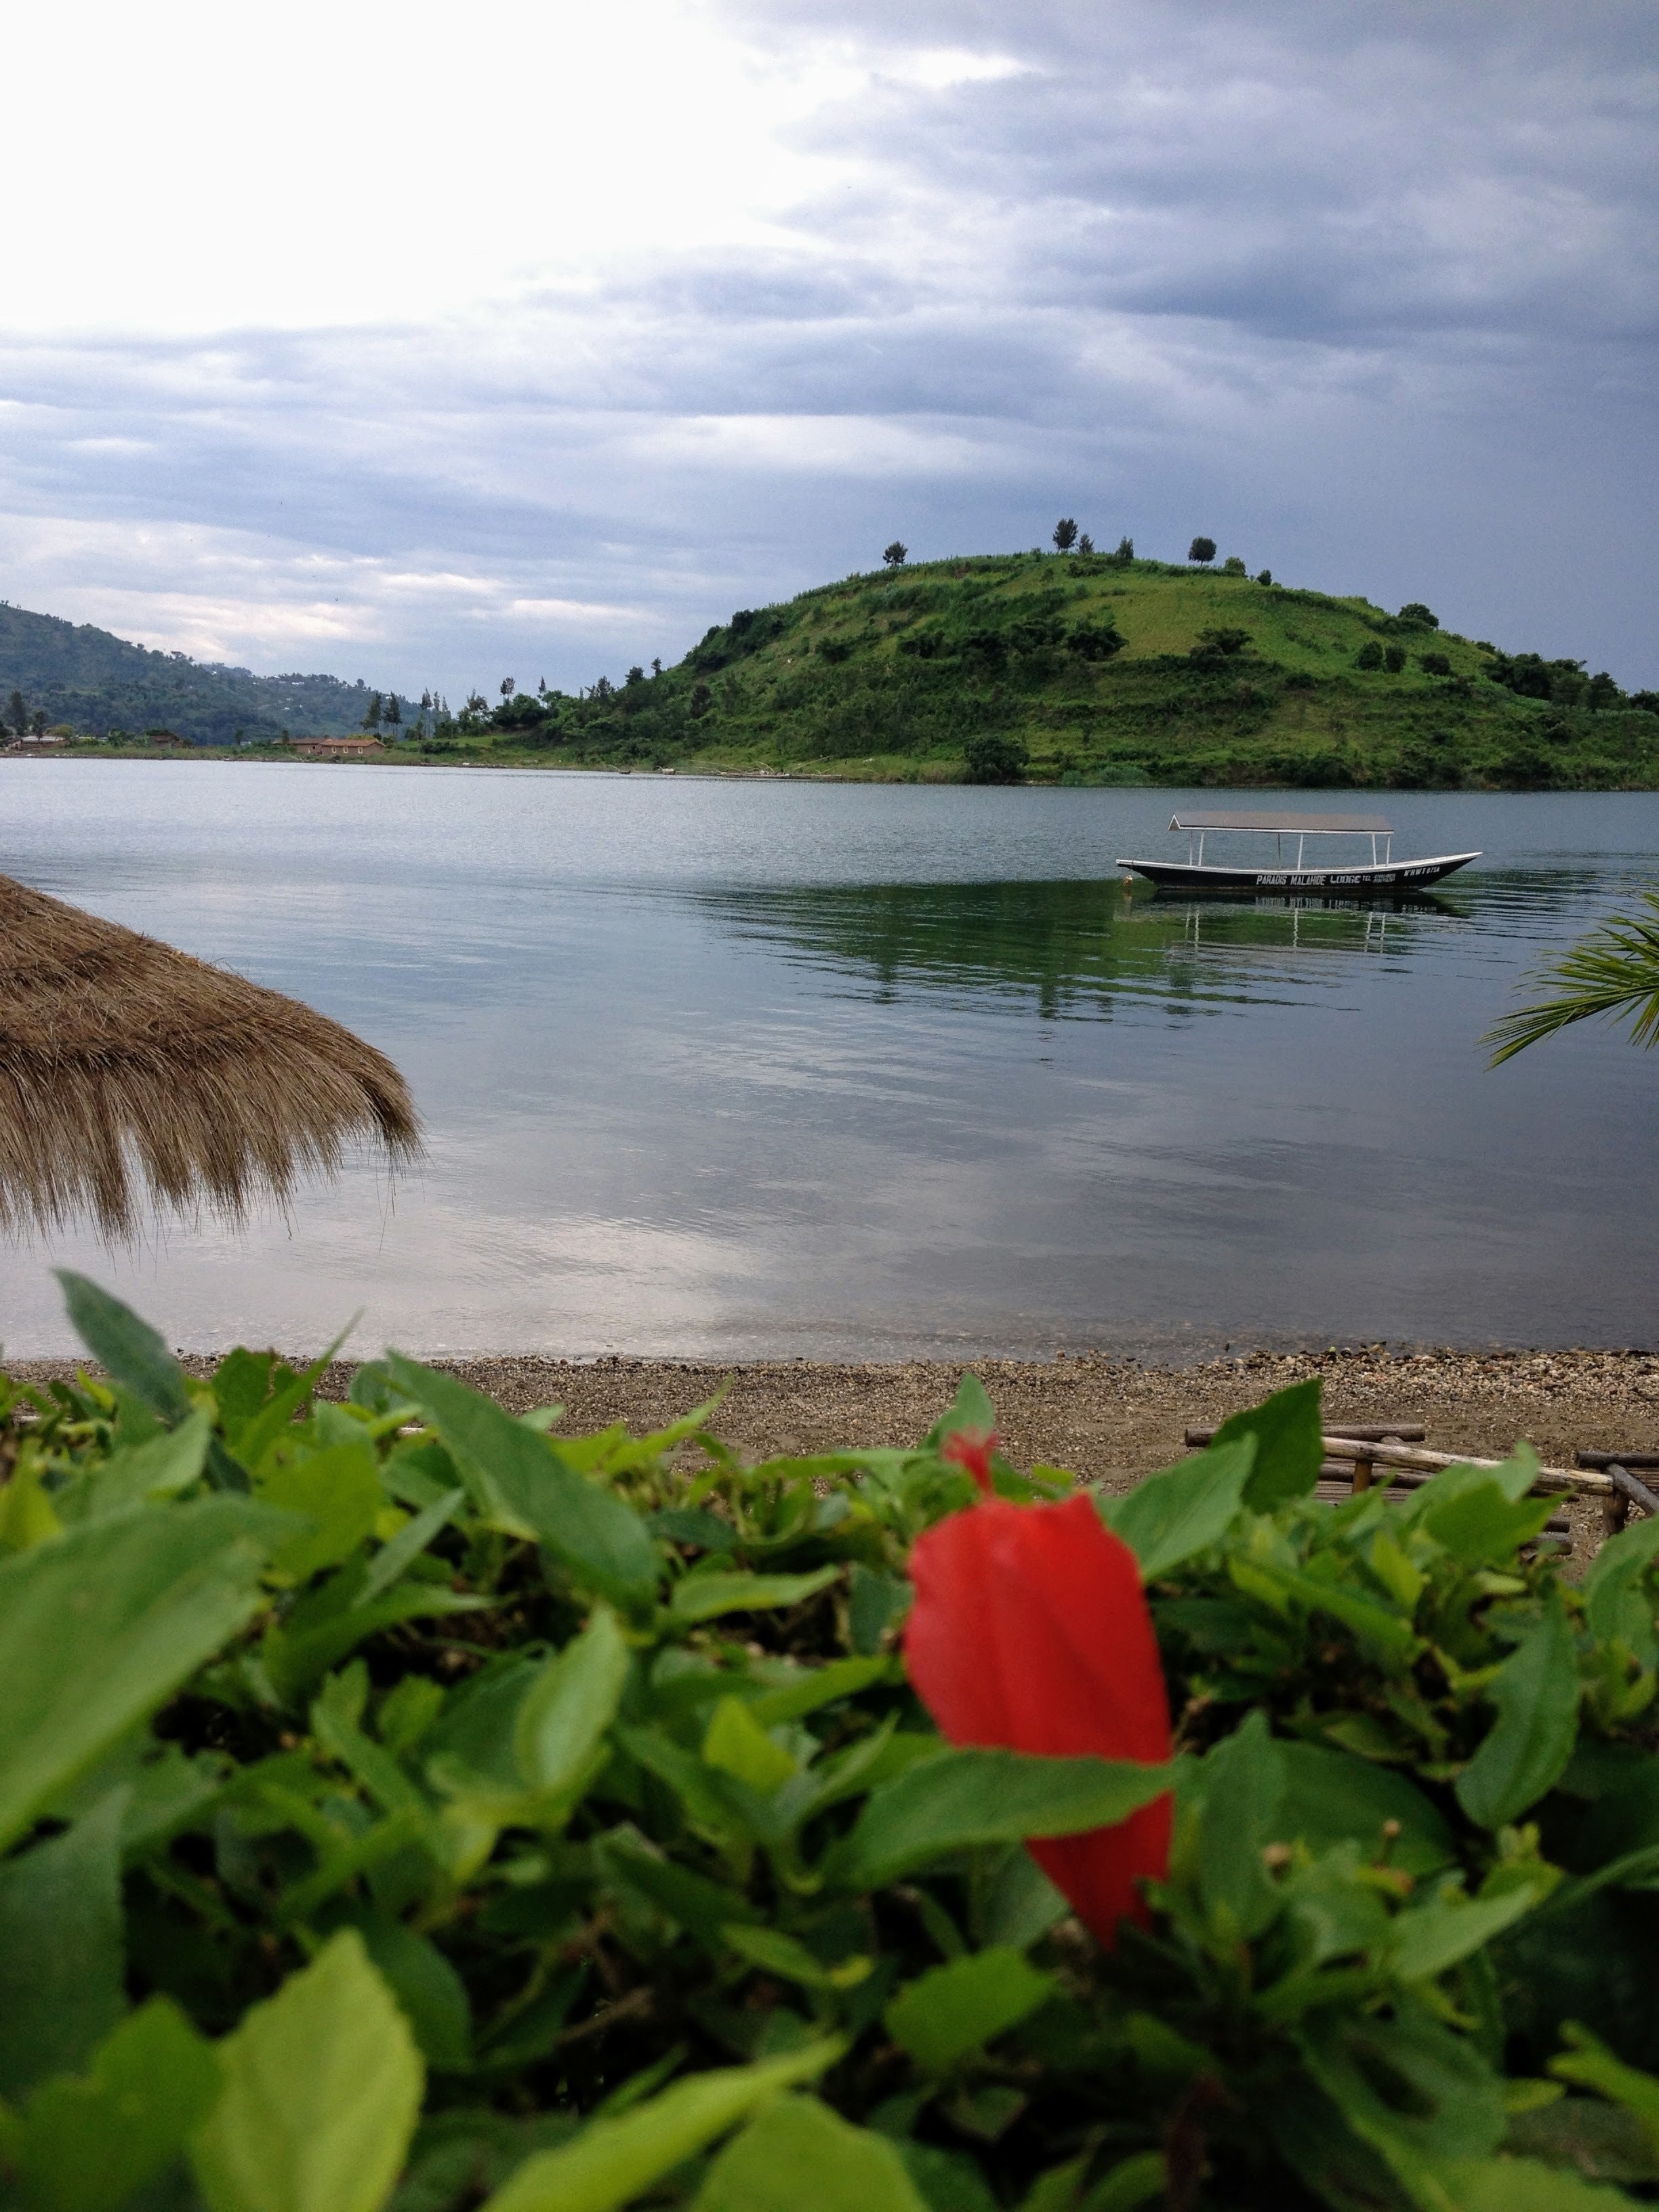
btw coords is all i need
(1389, 879)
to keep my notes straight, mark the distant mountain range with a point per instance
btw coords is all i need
(74, 672)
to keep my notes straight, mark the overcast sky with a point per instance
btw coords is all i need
(434, 344)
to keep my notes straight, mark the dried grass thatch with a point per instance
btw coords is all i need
(124, 1064)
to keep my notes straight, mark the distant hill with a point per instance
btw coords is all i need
(75, 674)
(1096, 669)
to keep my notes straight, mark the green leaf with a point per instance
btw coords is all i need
(1536, 1691)
(875, 1602)
(1132, 2183)
(1288, 1449)
(1168, 1516)
(1590, 2066)
(136, 1355)
(410, 1541)
(339, 1492)
(323, 2086)
(1434, 1936)
(736, 1743)
(974, 1796)
(705, 1597)
(521, 1482)
(797, 2155)
(562, 1719)
(1022, 1905)
(970, 1409)
(1332, 1796)
(298, 1654)
(1481, 1524)
(822, 1686)
(89, 2144)
(159, 1469)
(945, 2013)
(612, 2162)
(62, 1967)
(1244, 1781)
(99, 1625)
(1407, 2087)
(1387, 1633)
(1524, 2184)
(776, 1953)
(429, 1992)
(1618, 1600)
(700, 1906)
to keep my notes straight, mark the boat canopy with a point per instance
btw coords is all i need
(1309, 825)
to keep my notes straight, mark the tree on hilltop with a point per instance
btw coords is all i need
(372, 712)
(1201, 548)
(508, 687)
(1065, 534)
(392, 712)
(1086, 544)
(895, 554)
(18, 708)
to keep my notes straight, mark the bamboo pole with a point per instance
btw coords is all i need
(1576, 1482)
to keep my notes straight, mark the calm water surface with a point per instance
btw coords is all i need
(741, 1068)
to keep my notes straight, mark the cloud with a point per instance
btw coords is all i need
(615, 328)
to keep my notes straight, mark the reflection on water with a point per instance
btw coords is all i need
(730, 1069)
(1070, 950)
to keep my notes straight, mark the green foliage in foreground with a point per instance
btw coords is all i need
(1089, 668)
(404, 1804)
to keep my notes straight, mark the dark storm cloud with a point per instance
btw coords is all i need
(1367, 293)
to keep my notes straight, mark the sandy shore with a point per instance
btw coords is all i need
(1110, 1420)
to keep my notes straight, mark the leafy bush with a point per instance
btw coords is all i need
(1369, 655)
(406, 1804)
(1415, 612)
(1434, 664)
(1394, 659)
(993, 756)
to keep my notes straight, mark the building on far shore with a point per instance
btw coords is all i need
(338, 748)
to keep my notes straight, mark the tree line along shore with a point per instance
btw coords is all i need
(1071, 667)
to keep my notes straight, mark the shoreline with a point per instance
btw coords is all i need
(1110, 1419)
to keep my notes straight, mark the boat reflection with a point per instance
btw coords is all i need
(1077, 949)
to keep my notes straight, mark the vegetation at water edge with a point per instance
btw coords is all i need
(1088, 668)
(1073, 667)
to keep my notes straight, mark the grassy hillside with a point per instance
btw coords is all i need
(1083, 669)
(72, 673)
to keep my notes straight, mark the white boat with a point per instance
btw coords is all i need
(1381, 877)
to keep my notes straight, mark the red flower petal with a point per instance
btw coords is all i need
(972, 1449)
(1030, 1631)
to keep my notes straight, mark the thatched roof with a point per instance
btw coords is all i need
(124, 1064)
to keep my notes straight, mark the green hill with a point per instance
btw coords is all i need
(72, 673)
(1092, 669)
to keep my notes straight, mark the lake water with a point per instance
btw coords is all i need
(744, 1068)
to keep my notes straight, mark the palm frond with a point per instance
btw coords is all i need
(1614, 971)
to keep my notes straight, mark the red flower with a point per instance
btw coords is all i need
(1030, 1631)
(972, 1449)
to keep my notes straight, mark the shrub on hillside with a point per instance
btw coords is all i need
(995, 756)
(1394, 659)
(1434, 664)
(1369, 655)
(406, 1803)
